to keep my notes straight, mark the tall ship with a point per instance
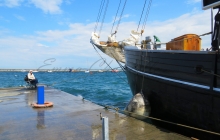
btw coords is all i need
(181, 81)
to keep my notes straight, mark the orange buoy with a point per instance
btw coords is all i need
(46, 104)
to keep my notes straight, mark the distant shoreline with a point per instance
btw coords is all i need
(53, 70)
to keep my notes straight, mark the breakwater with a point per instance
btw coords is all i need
(51, 70)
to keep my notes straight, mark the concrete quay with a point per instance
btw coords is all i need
(71, 118)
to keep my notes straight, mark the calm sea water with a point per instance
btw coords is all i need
(105, 88)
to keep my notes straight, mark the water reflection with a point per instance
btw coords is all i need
(31, 96)
(40, 119)
(96, 131)
(114, 128)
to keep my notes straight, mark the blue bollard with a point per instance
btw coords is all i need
(40, 95)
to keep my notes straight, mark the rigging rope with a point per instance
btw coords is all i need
(99, 14)
(116, 16)
(121, 15)
(143, 75)
(107, 63)
(122, 67)
(141, 15)
(146, 16)
(103, 17)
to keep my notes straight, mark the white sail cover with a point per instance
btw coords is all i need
(112, 51)
(111, 38)
(95, 38)
(133, 39)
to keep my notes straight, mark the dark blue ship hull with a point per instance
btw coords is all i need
(178, 84)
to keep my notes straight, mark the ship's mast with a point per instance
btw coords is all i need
(215, 33)
(214, 4)
(211, 22)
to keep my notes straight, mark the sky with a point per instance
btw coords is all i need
(55, 34)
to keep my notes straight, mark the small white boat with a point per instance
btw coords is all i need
(34, 71)
(49, 71)
(114, 70)
(87, 71)
(23, 70)
(100, 70)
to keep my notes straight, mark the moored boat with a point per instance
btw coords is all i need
(23, 70)
(114, 70)
(87, 71)
(180, 81)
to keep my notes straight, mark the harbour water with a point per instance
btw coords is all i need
(104, 88)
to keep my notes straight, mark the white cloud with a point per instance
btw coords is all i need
(11, 3)
(118, 17)
(68, 1)
(4, 31)
(3, 19)
(74, 43)
(48, 6)
(41, 45)
(126, 16)
(20, 17)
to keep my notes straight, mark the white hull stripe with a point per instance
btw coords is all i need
(173, 80)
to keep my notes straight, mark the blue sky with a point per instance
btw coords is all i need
(34, 31)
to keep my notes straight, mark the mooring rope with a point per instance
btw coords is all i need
(161, 120)
(144, 71)
(210, 73)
